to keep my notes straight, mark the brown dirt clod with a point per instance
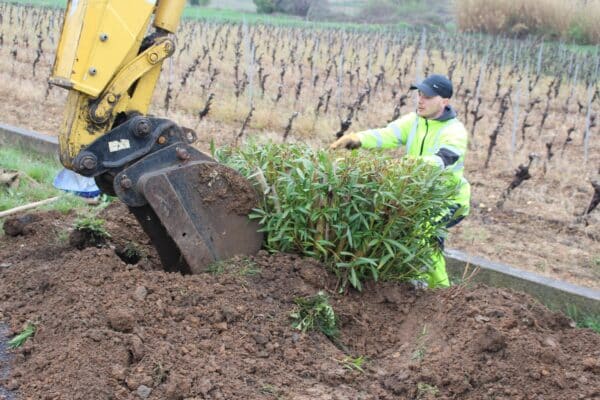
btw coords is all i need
(221, 184)
(20, 225)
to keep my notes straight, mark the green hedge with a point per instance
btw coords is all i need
(366, 215)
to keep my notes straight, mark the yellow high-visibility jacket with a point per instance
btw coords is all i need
(442, 141)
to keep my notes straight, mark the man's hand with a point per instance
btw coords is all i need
(350, 141)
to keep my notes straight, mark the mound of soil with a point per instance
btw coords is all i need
(107, 329)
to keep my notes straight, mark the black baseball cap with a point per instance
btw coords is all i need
(435, 85)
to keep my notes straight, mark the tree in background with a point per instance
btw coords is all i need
(301, 8)
(264, 6)
(199, 2)
(294, 7)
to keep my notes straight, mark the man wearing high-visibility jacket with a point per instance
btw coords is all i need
(434, 133)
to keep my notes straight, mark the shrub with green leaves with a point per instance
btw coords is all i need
(315, 313)
(354, 363)
(365, 214)
(94, 228)
(264, 6)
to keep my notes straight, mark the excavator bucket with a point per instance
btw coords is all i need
(203, 208)
(194, 209)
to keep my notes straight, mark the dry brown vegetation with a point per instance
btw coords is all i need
(574, 20)
(515, 97)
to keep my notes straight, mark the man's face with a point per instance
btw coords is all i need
(431, 107)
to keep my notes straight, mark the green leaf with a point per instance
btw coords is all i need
(22, 337)
(353, 278)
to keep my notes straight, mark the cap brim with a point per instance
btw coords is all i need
(426, 90)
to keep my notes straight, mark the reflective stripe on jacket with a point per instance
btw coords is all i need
(443, 142)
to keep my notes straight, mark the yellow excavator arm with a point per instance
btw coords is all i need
(194, 209)
(109, 71)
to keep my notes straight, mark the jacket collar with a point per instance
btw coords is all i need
(448, 114)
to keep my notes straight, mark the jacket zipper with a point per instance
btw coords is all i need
(425, 136)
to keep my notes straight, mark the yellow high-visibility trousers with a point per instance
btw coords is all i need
(438, 277)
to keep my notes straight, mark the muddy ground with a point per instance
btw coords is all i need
(538, 228)
(108, 329)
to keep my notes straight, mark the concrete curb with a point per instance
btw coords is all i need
(22, 138)
(552, 292)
